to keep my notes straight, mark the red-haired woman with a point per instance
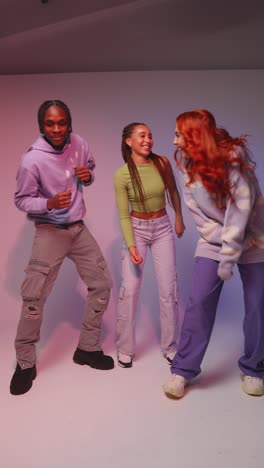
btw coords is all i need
(223, 195)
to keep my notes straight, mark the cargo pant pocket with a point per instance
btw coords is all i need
(36, 276)
(103, 268)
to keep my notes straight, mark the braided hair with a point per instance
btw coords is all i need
(164, 169)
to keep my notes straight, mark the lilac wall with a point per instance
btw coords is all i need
(102, 104)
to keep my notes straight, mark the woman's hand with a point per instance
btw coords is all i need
(179, 225)
(134, 255)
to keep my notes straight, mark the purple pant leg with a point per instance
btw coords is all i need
(199, 318)
(252, 362)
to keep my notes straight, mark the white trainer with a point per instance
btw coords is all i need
(252, 385)
(124, 360)
(175, 386)
(169, 357)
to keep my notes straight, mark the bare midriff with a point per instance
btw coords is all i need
(150, 215)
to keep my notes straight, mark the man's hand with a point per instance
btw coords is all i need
(83, 173)
(60, 201)
(134, 255)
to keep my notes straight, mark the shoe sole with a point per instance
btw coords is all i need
(252, 393)
(93, 366)
(125, 365)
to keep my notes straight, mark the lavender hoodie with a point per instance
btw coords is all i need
(44, 171)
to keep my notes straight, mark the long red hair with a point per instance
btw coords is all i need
(210, 153)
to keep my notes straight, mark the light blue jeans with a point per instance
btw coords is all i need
(157, 234)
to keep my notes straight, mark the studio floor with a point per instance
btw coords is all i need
(75, 416)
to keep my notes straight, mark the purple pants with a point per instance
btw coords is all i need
(200, 316)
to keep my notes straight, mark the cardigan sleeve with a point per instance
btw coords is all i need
(237, 215)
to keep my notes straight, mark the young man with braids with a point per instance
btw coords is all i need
(50, 181)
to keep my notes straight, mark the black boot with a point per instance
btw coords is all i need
(95, 359)
(22, 380)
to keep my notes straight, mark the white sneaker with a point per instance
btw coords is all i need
(175, 386)
(252, 385)
(169, 357)
(124, 360)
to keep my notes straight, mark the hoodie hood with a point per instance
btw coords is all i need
(42, 145)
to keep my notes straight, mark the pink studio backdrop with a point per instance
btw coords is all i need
(101, 105)
(72, 412)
